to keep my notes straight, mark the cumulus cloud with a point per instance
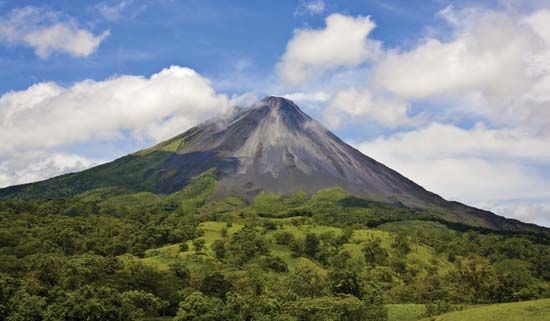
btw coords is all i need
(34, 166)
(449, 141)
(538, 213)
(366, 106)
(481, 167)
(342, 43)
(501, 59)
(45, 32)
(48, 115)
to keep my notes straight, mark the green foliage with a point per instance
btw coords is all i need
(247, 244)
(215, 284)
(340, 308)
(115, 254)
(345, 281)
(218, 247)
(184, 247)
(311, 245)
(199, 307)
(374, 253)
(198, 244)
(307, 281)
(275, 263)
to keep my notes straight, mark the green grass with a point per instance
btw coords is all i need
(405, 312)
(537, 310)
(420, 257)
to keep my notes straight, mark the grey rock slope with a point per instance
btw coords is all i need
(273, 146)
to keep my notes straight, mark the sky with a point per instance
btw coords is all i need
(453, 94)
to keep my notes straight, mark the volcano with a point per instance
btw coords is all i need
(271, 146)
(275, 147)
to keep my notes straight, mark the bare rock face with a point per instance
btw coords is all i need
(273, 146)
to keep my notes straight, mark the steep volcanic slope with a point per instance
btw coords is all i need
(272, 146)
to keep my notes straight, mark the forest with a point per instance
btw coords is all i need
(112, 254)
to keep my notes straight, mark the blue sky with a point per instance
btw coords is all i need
(450, 93)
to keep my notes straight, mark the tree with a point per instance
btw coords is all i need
(284, 238)
(215, 284)
(199, 307)
(311, 245)
(327, 308)
(345, 237)
(27, 307)
(92, 303)
(514, 280)
(474, 280)
(247, 244)
(345, 281)
(142, 304)
(373, 298)
(341, 260)
(198, 244)
(184, 247)
(181, 271)
(275, 263)
(374, 253)
(224, 232)
(254, 307)
(401, 244)
(218, 246)
(307, 281)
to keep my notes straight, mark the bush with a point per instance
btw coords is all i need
(184, 247)
(246, 245)
(284, 238)
(275, 263)
(218, 247)
(198, 244)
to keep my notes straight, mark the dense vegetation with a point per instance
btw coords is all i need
(111, 254)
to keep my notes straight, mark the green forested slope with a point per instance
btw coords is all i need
(112, 254)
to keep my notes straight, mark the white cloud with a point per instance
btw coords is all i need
(365, 106)
(34, 166)
(47, 115)
(536, 212)
(37, 122)
(304, 97)
(312, 7)
(114, 10)
(46, 33)
(448, 141)
(502, 59)
(342, 43)
(483, 167)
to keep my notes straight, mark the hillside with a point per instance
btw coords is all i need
(538, 310)
(327, 257)
(270, 147)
